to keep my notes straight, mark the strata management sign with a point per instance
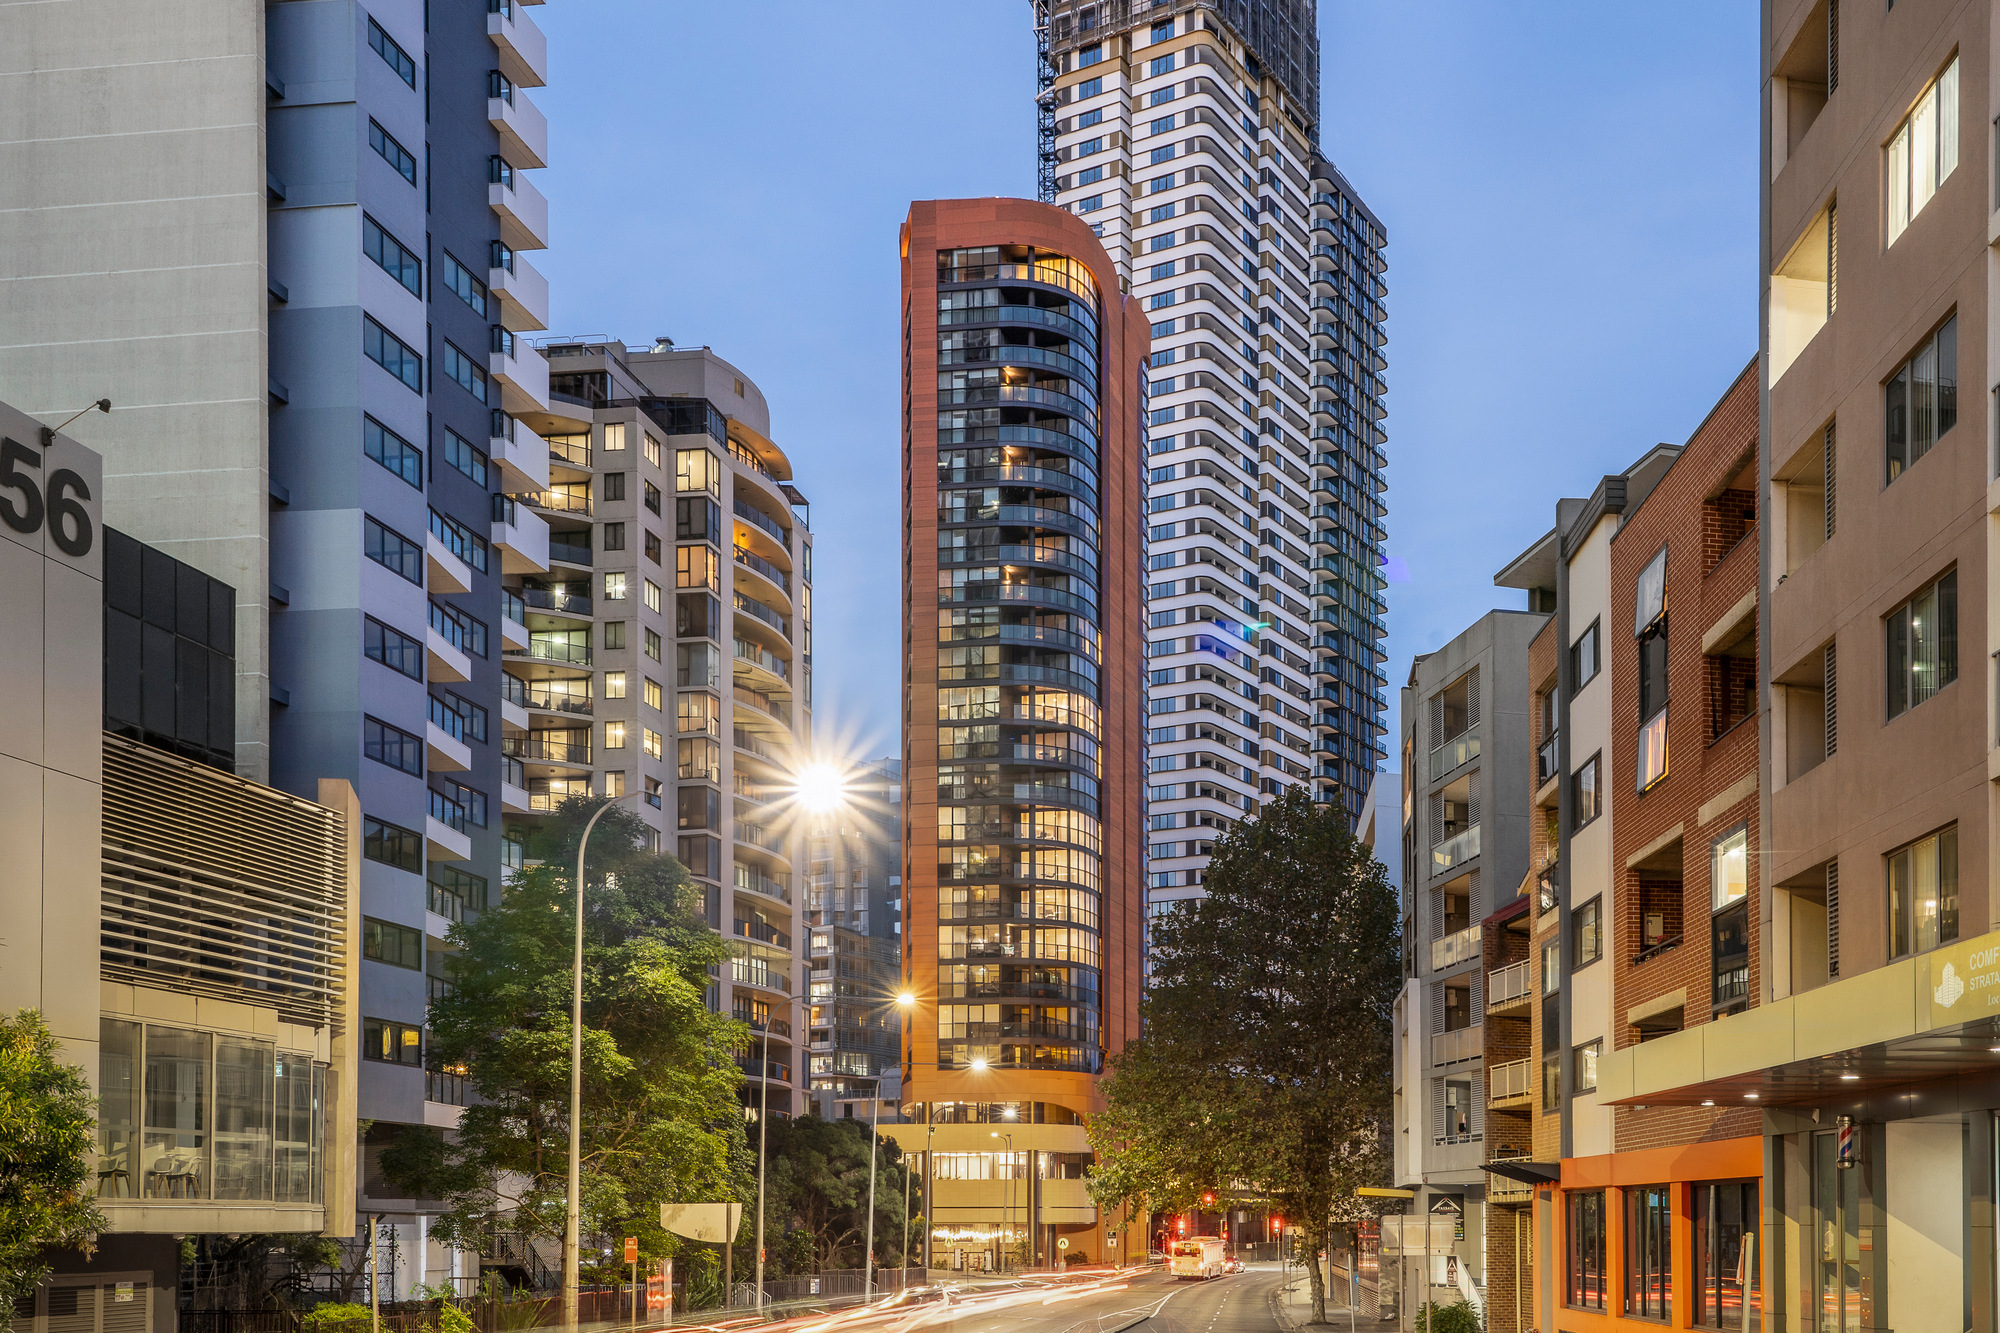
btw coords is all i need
(1965, 981)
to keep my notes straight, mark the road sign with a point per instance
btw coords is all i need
(631, 1249)
(1062, 1242)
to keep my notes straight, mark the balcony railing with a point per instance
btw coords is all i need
(545, 748)
(759, 836)
(747, 651)
(557, 650)
(757, 518)
(1508, 984)
(753, 972)
(556, 701)
(559, 598)
(764, 932)
(764, 567)
(1452, 1048)
(446, 1087)
(751, 880)
(777, 1027)
(751, 606)
(560, 501)
(447, 811)
(568, 553)
(1455, 948)
(1454, 850)
(746, 740)
(1516, 1078)
(1457, 751)
(1546, 760)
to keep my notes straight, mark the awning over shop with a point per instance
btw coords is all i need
(1912, 1021)
(1525, 1171)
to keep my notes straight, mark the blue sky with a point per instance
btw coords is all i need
(1569, 191)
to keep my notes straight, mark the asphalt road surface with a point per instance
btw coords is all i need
(1138, 1302)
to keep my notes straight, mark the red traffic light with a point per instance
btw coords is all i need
(1277, 1224)
(1209, 1197)
(1181, 1225)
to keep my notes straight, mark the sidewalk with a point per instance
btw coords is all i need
(1291, 1308)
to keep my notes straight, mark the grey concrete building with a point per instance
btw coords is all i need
(1466, 753)
(287, 242)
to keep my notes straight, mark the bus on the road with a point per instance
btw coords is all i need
(1198, 1257)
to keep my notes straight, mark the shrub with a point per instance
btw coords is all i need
(1460, 1316)
(334, 1317)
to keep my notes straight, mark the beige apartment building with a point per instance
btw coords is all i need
(1872, 1049)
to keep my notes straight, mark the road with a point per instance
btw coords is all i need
(1141, 1302)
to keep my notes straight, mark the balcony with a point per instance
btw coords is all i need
(523, 212)
(521, 455)
(523, 130)
(539, 747)
(569, 553)
(570, 451)
(749, 879)
(1510, 1082)
(557, 701)
(750, 606)
(1456, 1048)
(521, 536)
(523, 294)
(1454, 753)
(774, 754)
(1455, 948)
(1508, 988)
(747, 651)
(1455, 850)
(759, 836)
(751, 560)
(762, 521)
(445, 660)
(523, 376)
(755, 972)
(521, 50)
(443, 570)
(550, 648)
(559, 597)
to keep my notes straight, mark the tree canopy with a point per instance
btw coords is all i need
(46, 1135)
(1265, 1058)
(662, 1122)
(817, 1180)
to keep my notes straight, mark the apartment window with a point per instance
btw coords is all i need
(653, 645)
(387, 942)
(1725, 1258)
(1089, 55)
(392, 1043)
(1584, 659)
(392, 53)
(1165, 270)
(392, 152)
(1162, 95)
(1583, 1065)
(1583, 1226)
(614, 735)
(462, 541)
(1090, 88)
(653, 546)
(651, 448)
(1585, 792)
(1921, 402)
(1160, 65)
(1552, 956)
(614, 437)
(652, 497)
(614, 634)
(392, 451)
(655, 747)
(1159, 183)
(1090, 175)
(394, 258)
(1552, 1083)
(614, 586)
(469, 289)
(1923, 152)
(1586, 934)
(1923, 893)
(655, 698)
(614, 536)
(1650, 628)
(1094, 116)
(393, 551)
(696, 518)
(391, 745)
(652, 595)
(465, 372)
(614, 683)
(1922, 638)
(1649, 1274)
(1162, 30)
(391, 353)
(611, 486)
(697, 567)
(393, 649)
(391, 844)
(499, 171)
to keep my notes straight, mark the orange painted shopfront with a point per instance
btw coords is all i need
(1665, 1238)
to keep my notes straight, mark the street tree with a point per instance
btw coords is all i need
(1265, 1058)
(817, 1185)
(47, 1128)
(662, 1119)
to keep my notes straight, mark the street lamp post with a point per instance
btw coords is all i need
(1007, 1211)
(874, 1139)
(573, 1199)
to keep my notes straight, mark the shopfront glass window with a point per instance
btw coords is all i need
(117, 1109)
(1649, 1271)
(174, 1152)
(243, 1093)
(293, 1125)
(1725, 1255)
(1583, 1286)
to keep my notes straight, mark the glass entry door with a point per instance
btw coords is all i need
(1843, 1247)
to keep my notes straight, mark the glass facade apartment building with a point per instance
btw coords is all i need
(1185, 133)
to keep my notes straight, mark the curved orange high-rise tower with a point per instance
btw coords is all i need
(1024, 400)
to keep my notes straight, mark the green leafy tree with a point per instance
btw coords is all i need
(816, 1188)
(47, 1131)
(1266, 1053)
(662, 1122)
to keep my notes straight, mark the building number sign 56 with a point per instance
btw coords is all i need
(69, 522)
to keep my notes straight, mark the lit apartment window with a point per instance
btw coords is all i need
(1923, 152)
(614, 437)
(1729, 923)
(392, 1043)
(614, 587)
(1923, 645)
(614, 735)
(1921, 403)
(1649, 625)
(1923, 893)
(1584, 1065)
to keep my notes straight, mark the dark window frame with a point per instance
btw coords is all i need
(390, 150)
(407, 458)
(389, 745)
(1903, 433)
(1586, 916)
(392, 844)
(390, 943)
(405, 559)
(391, 642)
(386, 1034)
(1900, 680)
(392, 53)
(1586, 1274)
(380, 244)
(376, 344)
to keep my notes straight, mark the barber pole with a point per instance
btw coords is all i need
(1846, 1156)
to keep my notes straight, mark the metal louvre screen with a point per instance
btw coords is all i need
(213, 885)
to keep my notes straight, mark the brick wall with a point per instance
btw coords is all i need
(1707, 525)
(1510, 1295)
(1545, 1127)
